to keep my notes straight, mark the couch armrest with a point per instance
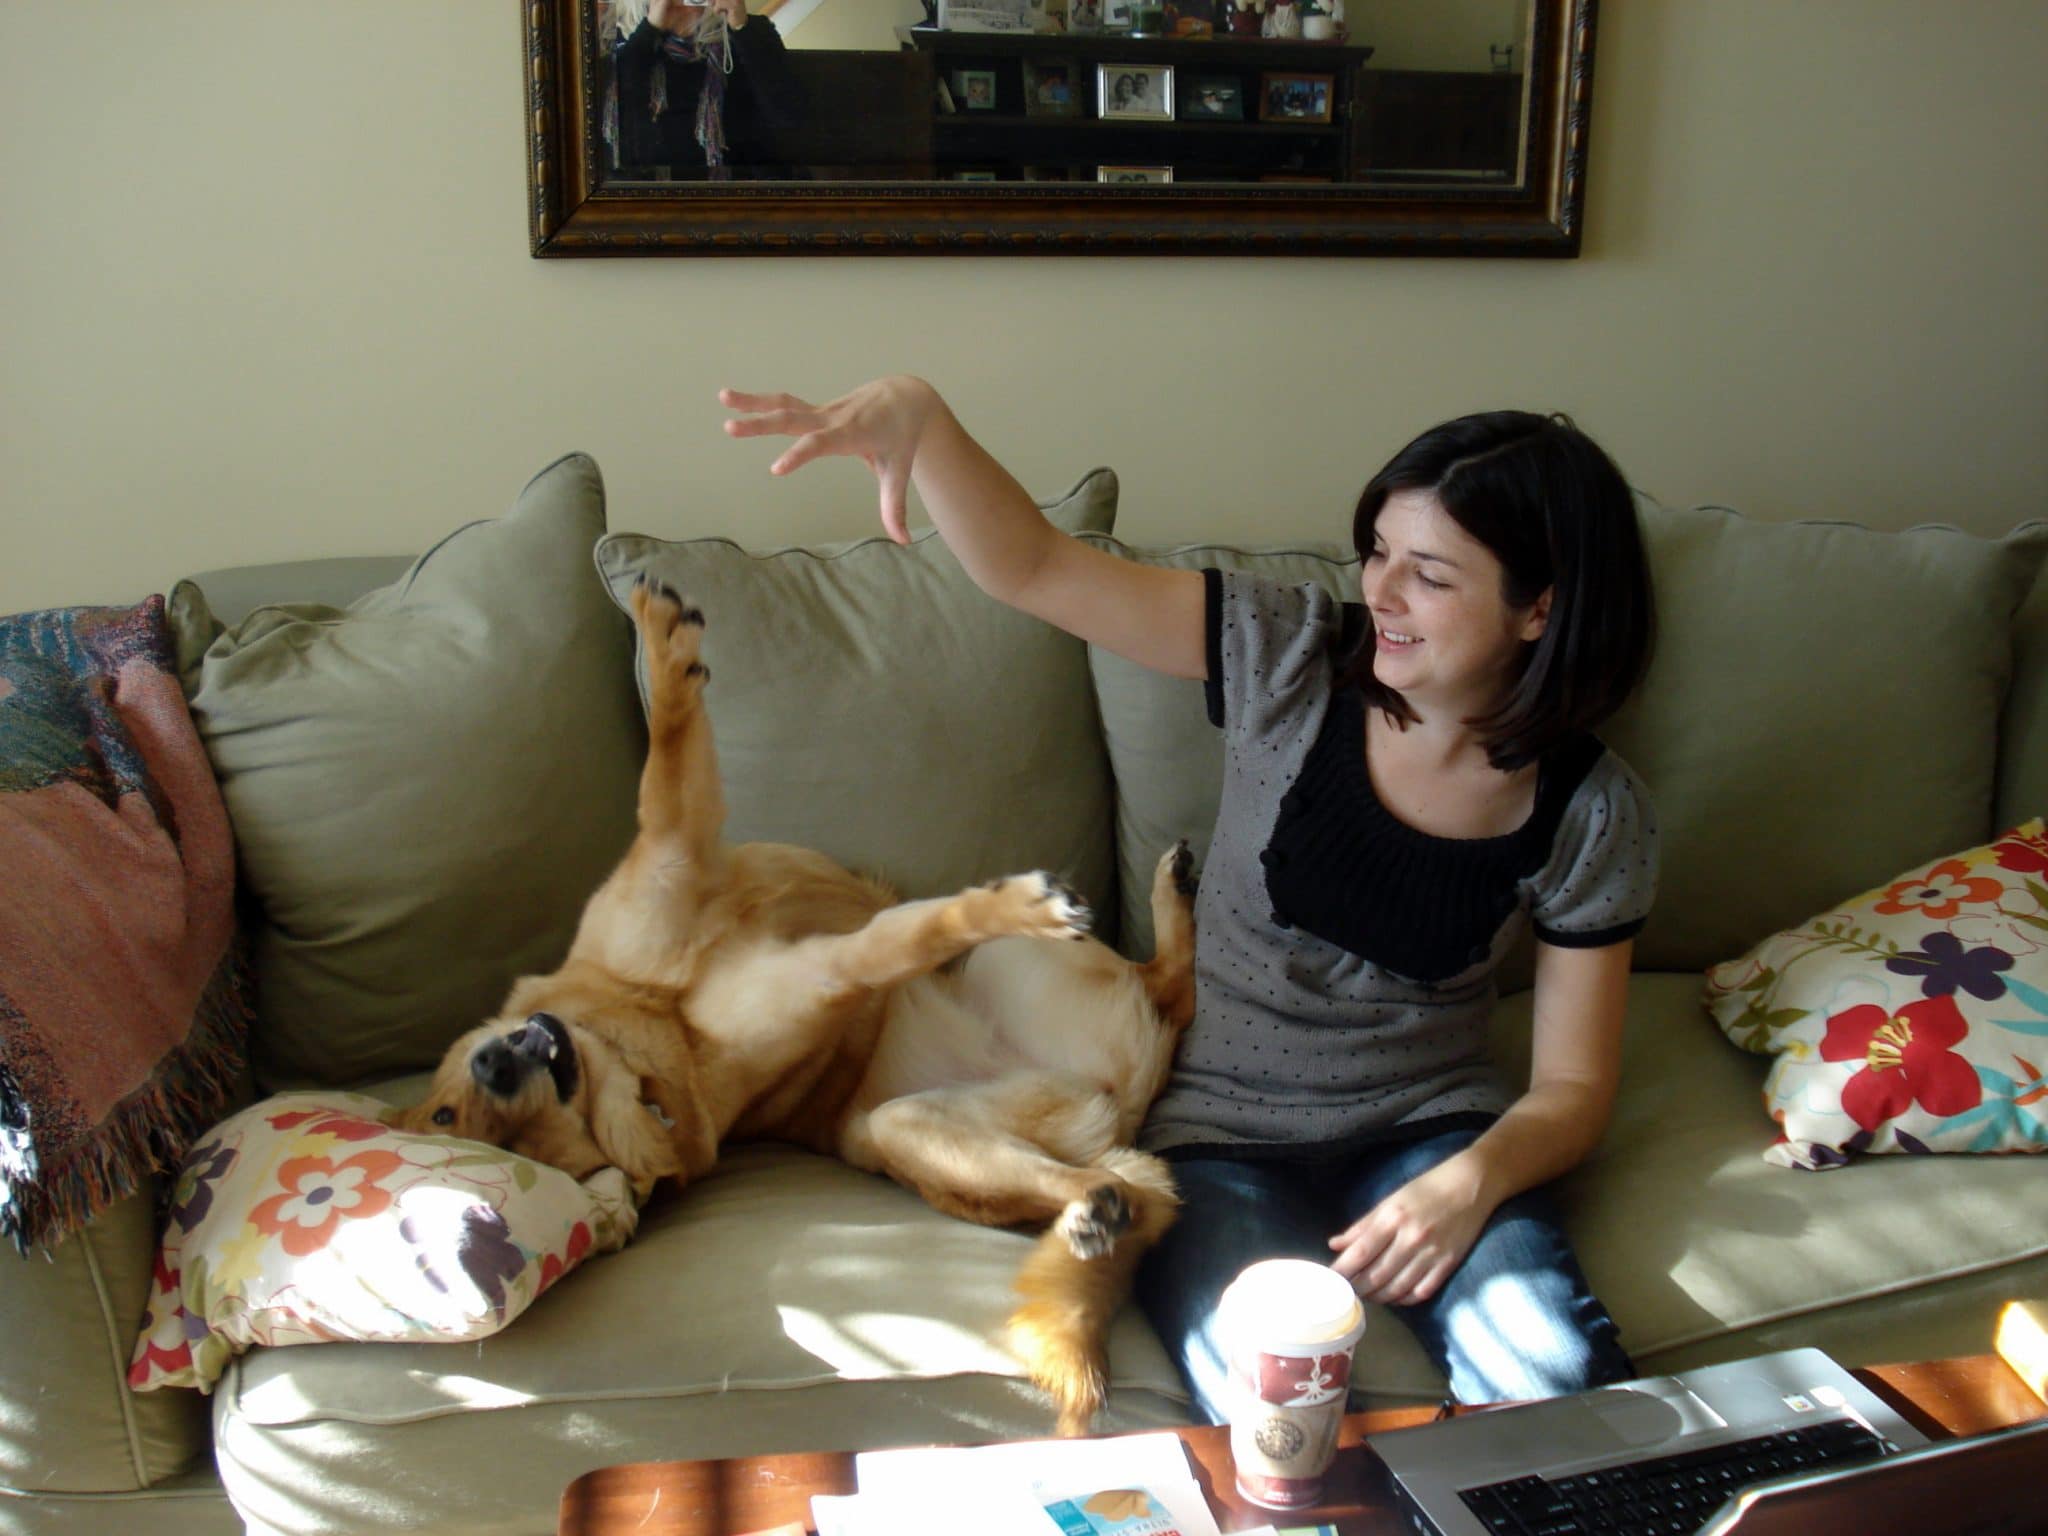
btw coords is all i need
(67, 1419)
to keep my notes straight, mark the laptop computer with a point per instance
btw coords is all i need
(1979, 1485)
(1665, 1453)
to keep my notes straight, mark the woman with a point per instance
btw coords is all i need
(1409, 783)
(698, 89)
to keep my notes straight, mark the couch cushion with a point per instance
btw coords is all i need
(1822, 712)
(68, 1422)
(425, 785)
(236, 591)
(784, 1302)
(2023, 738)
(870, 702)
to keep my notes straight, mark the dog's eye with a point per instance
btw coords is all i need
(444, 1116)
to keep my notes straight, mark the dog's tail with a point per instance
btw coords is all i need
(1079, 1274)
(1169, 975)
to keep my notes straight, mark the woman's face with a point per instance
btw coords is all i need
(1443, 635)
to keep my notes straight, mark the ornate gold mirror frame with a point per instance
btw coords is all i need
(575, 212)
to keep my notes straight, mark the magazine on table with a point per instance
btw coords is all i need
(1135, 1485)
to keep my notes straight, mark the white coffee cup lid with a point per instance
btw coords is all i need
(1304, 1301)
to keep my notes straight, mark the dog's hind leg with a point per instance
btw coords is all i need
(998, 1153)
(1169, 976)
(1061, 1329)
(914, 938)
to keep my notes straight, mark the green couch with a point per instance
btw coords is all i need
(427, 783)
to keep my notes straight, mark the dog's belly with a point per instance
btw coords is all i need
(1024, 1005)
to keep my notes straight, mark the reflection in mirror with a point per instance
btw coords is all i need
(1401, 94)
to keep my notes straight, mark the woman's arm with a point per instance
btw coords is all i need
(906, 434)
(1405, 1248)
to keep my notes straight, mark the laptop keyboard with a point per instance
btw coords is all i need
(1674, 1494)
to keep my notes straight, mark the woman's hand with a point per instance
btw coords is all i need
(1402, 1250)
(880, 424)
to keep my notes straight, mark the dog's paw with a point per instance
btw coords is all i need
(672, 632)
(1039, 905)
(1181, 868)
(1091, 1225)
(661, 609)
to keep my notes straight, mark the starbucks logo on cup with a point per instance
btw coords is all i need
(1279, 1439)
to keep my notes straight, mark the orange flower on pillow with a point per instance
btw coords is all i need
(1906, 1059)
(320, 1195)
(1940, 893)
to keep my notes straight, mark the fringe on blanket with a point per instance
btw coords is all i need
(42, 1201)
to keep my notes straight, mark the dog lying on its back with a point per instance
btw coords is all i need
(761, 991)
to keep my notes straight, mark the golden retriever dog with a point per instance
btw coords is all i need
(978, 1048)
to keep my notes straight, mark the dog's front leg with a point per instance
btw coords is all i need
(917, 937)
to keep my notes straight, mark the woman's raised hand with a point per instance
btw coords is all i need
(880, 423)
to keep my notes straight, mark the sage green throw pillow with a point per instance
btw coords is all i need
(425, 785)
(2023, 734)
(1822, 712)
(869, 701)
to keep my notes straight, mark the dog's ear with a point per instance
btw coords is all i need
(625, 1129)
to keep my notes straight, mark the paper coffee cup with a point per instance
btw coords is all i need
(1290, 1326)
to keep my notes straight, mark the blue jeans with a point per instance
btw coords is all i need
(1516, 1320)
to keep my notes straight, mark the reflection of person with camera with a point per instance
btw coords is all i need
(700, 88)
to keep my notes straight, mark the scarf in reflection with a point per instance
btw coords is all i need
(712, 48)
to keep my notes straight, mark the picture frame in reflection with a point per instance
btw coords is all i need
(1134, 92)
(1213, 99)
(1291, 98)
(1052, 88)
(1134, 175)
(975, 89)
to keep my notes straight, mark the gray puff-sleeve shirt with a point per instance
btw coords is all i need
(1345, 961)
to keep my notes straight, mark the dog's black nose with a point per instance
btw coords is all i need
(495, 1068)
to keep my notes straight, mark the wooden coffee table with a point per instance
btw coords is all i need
(749, 1493)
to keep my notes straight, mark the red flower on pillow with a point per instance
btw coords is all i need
(1940, 893)
(1906, 1059)
(552, 1268)
(2026, 854)
(321, 1194)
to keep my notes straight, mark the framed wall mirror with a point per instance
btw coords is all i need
(1217, 127)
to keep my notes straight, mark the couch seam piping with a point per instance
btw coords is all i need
(99, 1286)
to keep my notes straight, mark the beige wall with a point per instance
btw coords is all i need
(266, 295)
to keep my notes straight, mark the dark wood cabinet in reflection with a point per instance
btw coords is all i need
(869, 117)
(1222, 128)
(1429, 125)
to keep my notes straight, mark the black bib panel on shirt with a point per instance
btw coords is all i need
(1344, 868)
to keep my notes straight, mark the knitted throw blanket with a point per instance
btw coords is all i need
(123, 1017)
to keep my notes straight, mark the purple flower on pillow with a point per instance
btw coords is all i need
(1945, 967)
(488, 1255)
(193, 1197)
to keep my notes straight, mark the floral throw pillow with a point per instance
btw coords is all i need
(305, 1220)
(1912, 1019)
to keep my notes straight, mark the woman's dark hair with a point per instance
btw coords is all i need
(1556, 513)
